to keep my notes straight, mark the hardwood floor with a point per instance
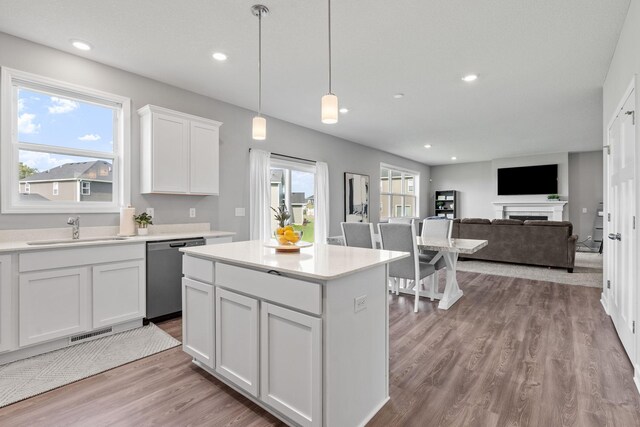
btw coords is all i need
(511, 352)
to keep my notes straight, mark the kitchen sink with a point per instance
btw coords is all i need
(67, 241)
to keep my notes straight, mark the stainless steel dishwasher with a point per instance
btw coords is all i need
(164, 276)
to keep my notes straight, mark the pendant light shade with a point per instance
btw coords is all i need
(259, 128)
(329, 105)
(329, 109)
(259, 125)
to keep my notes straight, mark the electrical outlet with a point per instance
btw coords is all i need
(150, 212)
(589, 238)
(239, 211)
(192, 212)
(359, 303)
(584, 210)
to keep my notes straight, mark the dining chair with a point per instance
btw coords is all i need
(435, 229)
(401, 237)
(358, 234)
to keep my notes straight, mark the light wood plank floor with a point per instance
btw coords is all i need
(512, 352)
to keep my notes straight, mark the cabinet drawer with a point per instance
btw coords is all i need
(71, 257)
(298, 294)
(197, 268)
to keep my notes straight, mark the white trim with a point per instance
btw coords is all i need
(403, 194)
(10, 146)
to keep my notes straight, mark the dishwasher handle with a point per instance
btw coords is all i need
(178, 245)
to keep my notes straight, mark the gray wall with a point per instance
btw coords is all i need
(235, 139)
(585, 187)
(477, 182)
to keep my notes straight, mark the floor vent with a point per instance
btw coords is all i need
(90, 335)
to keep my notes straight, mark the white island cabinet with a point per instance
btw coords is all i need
(304, 335)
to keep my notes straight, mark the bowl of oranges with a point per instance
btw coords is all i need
(287, 240)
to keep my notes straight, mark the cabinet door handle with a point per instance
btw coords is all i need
(612, 236)
(274, 272)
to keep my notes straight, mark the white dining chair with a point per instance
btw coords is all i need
(401, 221)
(435, 229)
(402, 237)
(358, 234)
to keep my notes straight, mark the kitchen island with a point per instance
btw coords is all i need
(304, 335)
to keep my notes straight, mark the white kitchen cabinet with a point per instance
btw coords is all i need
(179, 152)
(119, 291)
(236, 337)
(6, 283)
(197, 321)
(291, 363)
(53, 304)
(218, 240)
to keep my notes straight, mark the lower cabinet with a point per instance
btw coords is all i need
(197, 321)
(118, 292)
(5, 303)
(291, 363)
(236, 337)
(53, 304)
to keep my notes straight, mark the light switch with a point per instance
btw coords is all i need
(584, 210)
(239, 211)
(359, 303)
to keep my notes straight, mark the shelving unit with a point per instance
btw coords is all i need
(446, 203)
(598, 227)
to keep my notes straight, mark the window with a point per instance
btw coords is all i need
(293, 185)
(398, 192)
(85, 188)
(61, 140)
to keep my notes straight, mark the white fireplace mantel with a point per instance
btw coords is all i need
(552, 209)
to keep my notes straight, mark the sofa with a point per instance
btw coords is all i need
(545, 243)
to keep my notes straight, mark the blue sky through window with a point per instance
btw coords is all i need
(52, 120)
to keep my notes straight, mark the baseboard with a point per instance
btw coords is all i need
(605, 304)
(374, 412)
(636, 376)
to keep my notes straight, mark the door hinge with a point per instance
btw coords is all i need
(634, 222)
(608, 148)
(608, 217)
(633, 327)
(608, 284)
(631, 113)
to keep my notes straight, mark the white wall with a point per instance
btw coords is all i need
(478, 185)
(585, 187)
(235, 139)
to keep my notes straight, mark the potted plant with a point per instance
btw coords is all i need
(553, 197)
(143, 220)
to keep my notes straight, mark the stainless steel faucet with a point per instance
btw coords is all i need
(75, 222)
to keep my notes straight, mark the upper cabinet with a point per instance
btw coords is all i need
(179, 152)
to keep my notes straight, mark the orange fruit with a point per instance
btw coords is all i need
(282, 240)
(280, 230)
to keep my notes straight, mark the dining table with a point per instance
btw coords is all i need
(447, 249)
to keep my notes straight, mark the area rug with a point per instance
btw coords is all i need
(35, 375)
(587, 271)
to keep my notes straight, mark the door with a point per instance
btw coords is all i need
(204, 159)
(118, 293)
(5, 303)
(197, 321)
(237, 339)
(53, 304)
(621, 247)
(170, 168)
(291, 363)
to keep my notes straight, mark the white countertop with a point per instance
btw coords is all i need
(21, 246)
(320, 261)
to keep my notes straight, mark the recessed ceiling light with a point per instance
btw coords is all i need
(219, 56)
(470, 78)
(427, 146)
(344, 110)
(79, 44)
(398, 95)
(454, 158)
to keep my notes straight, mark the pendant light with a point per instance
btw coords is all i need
(259, 126)
(329, 101)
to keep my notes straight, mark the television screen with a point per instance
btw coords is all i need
(541, 179)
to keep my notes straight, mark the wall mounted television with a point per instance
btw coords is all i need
(541, 179)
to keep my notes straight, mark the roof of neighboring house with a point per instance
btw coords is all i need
(32, 196)
(97, 170)
(298, 198)
(311, 198)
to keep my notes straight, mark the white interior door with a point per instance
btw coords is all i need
(621, 237)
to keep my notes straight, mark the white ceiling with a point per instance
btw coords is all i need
(541, 64)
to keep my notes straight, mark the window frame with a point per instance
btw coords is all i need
(10, 81)
(85, 185)
(403, 192)
(55, 190)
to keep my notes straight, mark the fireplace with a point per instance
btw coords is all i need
(529, 217)
(539, 209)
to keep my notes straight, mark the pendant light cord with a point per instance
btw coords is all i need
(329, 21)
(259, 62)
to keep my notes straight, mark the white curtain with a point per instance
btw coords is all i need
(259, 195)
(322, 203)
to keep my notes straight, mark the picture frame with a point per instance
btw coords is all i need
(356, 197)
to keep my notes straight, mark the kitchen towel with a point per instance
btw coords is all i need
(127, 224)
